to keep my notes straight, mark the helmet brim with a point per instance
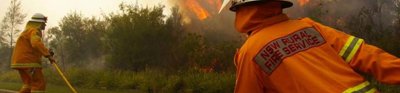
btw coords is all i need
(37, 20)
(286, 4)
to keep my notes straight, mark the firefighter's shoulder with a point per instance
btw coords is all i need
(307, 20)
(314, 23)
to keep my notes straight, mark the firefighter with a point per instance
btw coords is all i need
(27, 55)
(282, 55)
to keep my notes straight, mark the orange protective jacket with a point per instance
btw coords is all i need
(29, 48)
(303, 56)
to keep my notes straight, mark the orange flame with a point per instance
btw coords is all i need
(303, 2)
(197, 7)
(194, 6)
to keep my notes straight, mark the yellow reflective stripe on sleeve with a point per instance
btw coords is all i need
(341, 53)
(354, 50)
(364, 87)
(350, 48)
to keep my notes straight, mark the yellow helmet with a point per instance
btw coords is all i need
(38, 17)
(237, 3)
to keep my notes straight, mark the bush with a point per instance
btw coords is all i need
(148, 80)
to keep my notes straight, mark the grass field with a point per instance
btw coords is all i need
(61, 89)
(150, 81)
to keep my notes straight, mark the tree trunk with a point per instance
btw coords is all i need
(11, 41)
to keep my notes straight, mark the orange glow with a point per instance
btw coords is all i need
(203, 9)
(215, 3)
(303, 2)
(194, 5)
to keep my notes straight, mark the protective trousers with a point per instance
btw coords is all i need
(33, 80)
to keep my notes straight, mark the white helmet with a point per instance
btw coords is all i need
(237, 3)
(38, 17)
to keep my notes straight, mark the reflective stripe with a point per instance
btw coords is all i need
(364, 87)
(350, 48)
(24, 65)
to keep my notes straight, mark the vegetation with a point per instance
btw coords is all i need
(138, 49)
(141, 50)
(9, 31)
(61, 89)
(149, 80)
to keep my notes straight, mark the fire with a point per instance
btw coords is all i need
(194, 6)
(303, 2)
(198, 7)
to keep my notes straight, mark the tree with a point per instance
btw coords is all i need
(9, 28)
(78, 38)
(138, 38)
(13, 18)
(56, 43)
(2, 39)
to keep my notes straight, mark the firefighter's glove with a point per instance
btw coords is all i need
(51, 59)
(51, 52)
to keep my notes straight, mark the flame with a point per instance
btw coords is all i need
(303, 2)
(194, 6)
(198, 7)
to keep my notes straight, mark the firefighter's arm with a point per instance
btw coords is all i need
(36, 43)
(382, 65)
(364, 57)
(361, 56)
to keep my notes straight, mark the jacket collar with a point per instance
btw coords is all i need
(252, 25)
(250, 18)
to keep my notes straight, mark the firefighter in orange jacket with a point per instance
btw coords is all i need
(302, 56)
(27, 55)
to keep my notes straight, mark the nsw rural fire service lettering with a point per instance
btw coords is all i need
(272, 54)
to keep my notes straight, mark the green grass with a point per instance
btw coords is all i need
(147, 81)
(10, 86)
(114, 81)
(59, 89)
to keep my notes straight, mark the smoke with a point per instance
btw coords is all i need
(333, 12)
(330, 7)
(376, 21)
(215, 27)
